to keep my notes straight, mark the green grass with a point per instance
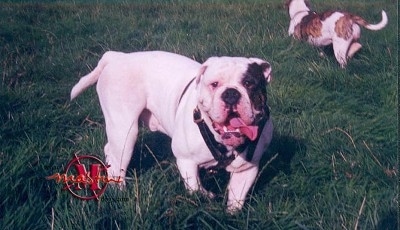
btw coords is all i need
(332, 163)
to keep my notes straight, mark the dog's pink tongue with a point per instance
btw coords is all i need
(249, 131)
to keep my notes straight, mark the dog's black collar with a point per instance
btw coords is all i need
(185, 89)
(218, 150)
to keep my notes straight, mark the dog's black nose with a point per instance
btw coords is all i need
(231, 96)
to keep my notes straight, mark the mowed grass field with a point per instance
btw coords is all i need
(333, 162)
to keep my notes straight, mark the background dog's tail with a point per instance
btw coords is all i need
(90, 78)
(378, 26)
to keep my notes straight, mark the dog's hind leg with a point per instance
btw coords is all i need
(354, 47)
(121, 110)
(119, 148)
(122, 132)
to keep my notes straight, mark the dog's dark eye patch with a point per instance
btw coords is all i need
(255, 83)
(254, 75)
(249, 84)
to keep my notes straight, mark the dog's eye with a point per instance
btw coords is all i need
(214, 85)
(248, 84)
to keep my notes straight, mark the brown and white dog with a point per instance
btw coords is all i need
(341, 29)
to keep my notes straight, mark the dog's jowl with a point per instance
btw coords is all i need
(216, 113)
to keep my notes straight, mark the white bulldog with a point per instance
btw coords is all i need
(225, 98)
(339, 28)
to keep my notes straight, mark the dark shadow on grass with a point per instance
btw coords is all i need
(389, 221)
(153, 149)
(284, 147)
(278, 158)
(328, 50)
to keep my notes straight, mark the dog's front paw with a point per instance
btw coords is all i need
(234, 206)
(203, 192)
(207, 193)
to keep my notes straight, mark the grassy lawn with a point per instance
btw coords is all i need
(333, 162)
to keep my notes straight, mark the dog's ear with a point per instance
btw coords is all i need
(200, 73)
(203, 68)
(266, 68)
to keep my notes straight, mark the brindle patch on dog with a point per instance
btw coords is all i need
(359, 20)
(311, 25)
(344, 27)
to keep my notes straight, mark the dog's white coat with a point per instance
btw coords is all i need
(147, 86)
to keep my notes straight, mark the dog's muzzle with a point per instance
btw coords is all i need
(234, 130)
(231, 97)
(234, 127)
